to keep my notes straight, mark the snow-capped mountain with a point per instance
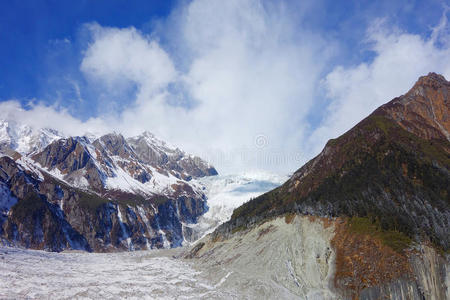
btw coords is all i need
(101, 193)
(113, 163)
(25, 139)
(142, 164)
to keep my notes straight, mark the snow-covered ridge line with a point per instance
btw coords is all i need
(25, 139)
(141, 164)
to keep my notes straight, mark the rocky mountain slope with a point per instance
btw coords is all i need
(299, 257)
(384, 189)
(96, 194)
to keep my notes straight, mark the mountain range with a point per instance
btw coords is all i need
(92, 193)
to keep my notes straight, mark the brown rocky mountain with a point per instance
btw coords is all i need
(383, 188)
(393, 166)
(424, 110)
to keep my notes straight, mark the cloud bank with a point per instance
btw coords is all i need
(236, 82)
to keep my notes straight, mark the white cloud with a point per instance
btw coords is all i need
(118, 55)
(248, 71)
(39, 115)
(234, 82)
(400, 58)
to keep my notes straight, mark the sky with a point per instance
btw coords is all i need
(248, 85)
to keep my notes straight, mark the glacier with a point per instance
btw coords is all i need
(227, 192)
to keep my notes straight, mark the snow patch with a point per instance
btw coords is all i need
(166, 244)
(28, 164)
(141, 212)
(124, 230)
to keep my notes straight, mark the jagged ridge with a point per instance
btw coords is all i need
(102, 194)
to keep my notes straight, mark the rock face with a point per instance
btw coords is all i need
(424, 110)
(157, 153)
(98, 195)
(296, 257)
(388, 182)
(286, 261)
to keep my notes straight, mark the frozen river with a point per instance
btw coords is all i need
(30, 274)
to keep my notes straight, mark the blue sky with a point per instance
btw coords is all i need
(212, 76)
(33, 33)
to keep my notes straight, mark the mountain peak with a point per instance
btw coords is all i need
(424, 109)
(155, 141)
(24, 138)
(148, 134)
(433, 80)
